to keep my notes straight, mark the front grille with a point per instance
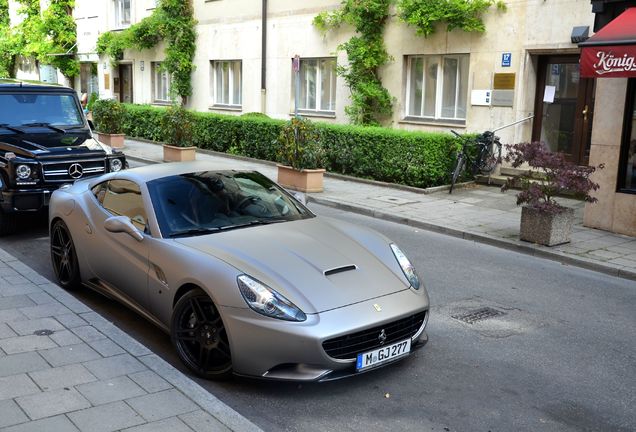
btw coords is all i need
(348, 346)
(59, 171)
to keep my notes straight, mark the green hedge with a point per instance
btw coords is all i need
(421, 159)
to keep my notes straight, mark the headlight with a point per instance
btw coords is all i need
(115, 165)
(23, 172)
(407, 267)
(268, 302)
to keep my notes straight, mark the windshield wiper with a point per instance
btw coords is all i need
(194, 231)
(48, 125)
(11, 128)
(252, 223)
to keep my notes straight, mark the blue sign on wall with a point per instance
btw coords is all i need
(506, 59)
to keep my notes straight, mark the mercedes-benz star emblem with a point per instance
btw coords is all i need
(382, 337)
(75, 170)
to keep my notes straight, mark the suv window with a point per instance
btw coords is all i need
(123, 198)
(56, 109)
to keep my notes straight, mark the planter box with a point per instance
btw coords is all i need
(112, 140)
(549, 229)
(307, 180)
(178, 154)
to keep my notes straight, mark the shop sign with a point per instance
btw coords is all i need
(609, 62)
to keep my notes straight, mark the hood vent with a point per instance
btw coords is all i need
(340, 270)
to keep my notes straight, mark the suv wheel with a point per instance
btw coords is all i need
(7, 223)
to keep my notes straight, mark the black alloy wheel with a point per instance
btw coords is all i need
(198, 334)
(8, 223)
(64, 256)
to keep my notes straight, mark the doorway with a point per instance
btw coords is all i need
(564, 107)
(125, 83)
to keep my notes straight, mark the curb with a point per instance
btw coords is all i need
(527, 249)
(205, 400)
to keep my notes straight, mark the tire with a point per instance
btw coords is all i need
(64, 257)
(459, 167)
(199, 336)
(8, 223)
(488, 162)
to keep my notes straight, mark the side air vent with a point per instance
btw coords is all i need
(340, 270)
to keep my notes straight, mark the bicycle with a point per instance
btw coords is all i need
(485, 160)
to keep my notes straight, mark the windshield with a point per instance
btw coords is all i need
(213, 201)
(20, 109)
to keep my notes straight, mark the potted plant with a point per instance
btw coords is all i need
(108, 115)
(543, 220)
(300, 156)
(176, 131)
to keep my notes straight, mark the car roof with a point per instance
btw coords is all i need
(148, 173)
(31, 85)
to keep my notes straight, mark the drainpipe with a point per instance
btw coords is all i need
(264, 57)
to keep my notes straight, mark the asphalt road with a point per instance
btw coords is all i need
(561, 358)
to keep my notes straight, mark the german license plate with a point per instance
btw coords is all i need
(383, 355)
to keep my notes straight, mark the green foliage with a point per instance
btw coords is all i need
(298, 145)
(108, 115)
(53, 31)
(91, 101)
(370, 101)
(411, 158)
(176, 126)
(465, 15)
(171, 21)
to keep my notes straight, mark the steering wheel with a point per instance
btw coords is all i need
(252, 200)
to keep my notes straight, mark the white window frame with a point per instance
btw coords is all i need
(303, 106)
(157, 74)
(120, 13)
(439, 88)
(214, 77)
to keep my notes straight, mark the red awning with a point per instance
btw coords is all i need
(611, 52)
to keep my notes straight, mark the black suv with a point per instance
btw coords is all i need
(45, 142)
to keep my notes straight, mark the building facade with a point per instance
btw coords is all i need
(526, 65)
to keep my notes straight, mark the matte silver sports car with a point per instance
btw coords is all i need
(244, 278)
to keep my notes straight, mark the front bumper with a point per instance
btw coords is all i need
(17, 200)
(273, 349)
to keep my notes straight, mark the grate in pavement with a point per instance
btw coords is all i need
(43, 332)
(471, 317)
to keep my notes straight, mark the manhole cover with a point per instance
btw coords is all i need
(476, 315)
(44, 332)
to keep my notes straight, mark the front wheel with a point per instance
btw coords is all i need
(459, 167)
(64, 256)
(7, 223)
(198, 334)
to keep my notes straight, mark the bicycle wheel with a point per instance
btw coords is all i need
(459, 167)
(487, 161)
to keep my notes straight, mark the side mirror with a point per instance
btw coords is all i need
(91, 125)
(118, 224)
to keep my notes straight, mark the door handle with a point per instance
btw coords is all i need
(584, 112)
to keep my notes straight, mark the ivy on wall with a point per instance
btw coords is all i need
(370, 101)
(39, 35)
(173, 22)
(465, 15)
(366, 52)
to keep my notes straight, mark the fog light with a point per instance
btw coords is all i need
(23, 172)
(115, 165)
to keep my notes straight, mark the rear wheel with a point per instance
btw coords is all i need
(198, 334)
(64, 256)
(459, 167)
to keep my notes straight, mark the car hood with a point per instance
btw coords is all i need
(314, 263)
(43, 145)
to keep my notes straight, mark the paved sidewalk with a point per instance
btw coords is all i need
(476, 212)
(65, 368)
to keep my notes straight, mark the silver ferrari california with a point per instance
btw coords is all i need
(244, 278)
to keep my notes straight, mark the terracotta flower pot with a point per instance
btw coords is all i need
(548, 229)
(112, 140)
(307, 180)
(178, 154)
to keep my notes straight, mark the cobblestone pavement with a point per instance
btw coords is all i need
(476, 212)
(65, 368)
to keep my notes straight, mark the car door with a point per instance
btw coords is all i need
(118, 259)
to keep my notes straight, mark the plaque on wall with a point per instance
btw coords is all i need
(503, 98)
(106, 81)
(504, 81)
